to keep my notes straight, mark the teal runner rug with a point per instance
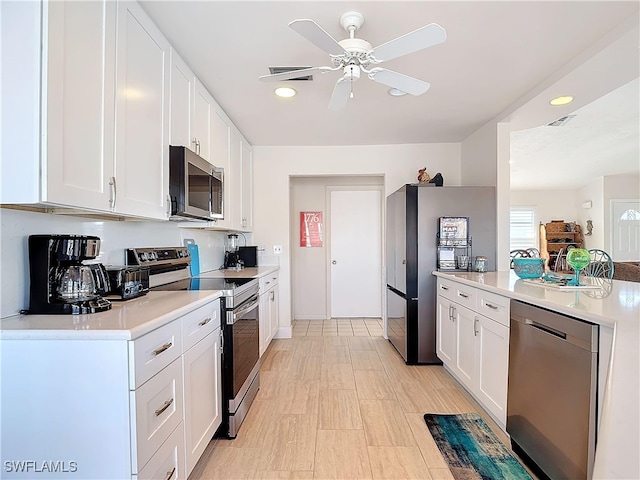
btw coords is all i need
(472, 450)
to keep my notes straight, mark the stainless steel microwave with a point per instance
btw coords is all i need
(196, 187)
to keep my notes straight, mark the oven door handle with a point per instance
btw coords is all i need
(253, 304)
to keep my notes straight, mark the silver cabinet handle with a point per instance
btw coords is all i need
(267, 283)
(221, 341)
(334, 262)
(453, 310)
(164, 406)
(450, 315)
(204, 322)
(168, 205)
(163, 348)
(491, 306)
(170, 473)
(113, 192)
(446, 289)
(475, 324)
(463, 295)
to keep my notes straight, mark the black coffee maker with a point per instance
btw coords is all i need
(60, 282)
(231, 256)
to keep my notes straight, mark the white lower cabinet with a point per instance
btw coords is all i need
(202, 395)
(475, 347)
(143, 408)
(268, 309)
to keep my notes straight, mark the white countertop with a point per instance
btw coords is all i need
(619, 434)
(126, 320)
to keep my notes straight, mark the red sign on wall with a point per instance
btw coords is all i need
(310, 229)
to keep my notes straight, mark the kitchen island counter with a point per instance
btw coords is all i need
(617, 308)
(126, 320)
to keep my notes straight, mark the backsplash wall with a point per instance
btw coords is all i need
(115, 236)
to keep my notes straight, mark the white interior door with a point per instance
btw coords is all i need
(625, 231)
(355, 253)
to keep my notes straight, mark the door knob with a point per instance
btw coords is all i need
(334, 262)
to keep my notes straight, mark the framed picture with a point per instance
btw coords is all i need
(310, 229)
(453, 231)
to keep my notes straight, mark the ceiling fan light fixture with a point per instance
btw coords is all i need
(394, 92)
(562, 100)
(285, 92)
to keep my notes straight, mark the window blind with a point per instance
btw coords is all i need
(522, 226)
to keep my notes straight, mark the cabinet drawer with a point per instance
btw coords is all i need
(465, 295)
(198, 324)
(152, 352)
(493, 306)
(157, 409)
(268, 281)
(168, 462)
(446, 288)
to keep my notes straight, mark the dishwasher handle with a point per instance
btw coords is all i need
(546, 329)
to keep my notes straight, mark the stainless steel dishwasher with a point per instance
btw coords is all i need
(551, 401)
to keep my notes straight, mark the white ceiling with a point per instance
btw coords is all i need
(495, 53)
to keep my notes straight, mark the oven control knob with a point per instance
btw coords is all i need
(143, 256)
(153, 256)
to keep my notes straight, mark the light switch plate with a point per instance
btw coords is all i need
(277, 249)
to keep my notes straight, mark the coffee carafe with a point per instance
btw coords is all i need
(60, 282)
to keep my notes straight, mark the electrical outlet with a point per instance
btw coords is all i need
(277, 249)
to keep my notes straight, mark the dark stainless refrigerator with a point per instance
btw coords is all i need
(412, 221)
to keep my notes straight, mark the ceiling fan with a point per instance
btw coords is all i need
(354, 55)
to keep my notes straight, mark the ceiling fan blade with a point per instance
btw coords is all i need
(276, 77)
(424, 37)
(317, 35)
(398, 80)
(340, 94)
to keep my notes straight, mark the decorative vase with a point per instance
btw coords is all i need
(578, 258)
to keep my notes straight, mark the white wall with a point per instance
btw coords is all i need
(549, 204)
(593, 192)
(478, 157)
(273, 167)
(309, 265)
(115, 236)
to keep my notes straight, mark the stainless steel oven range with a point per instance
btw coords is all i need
(169, 270)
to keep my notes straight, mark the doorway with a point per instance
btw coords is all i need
(625, 230)
(310, 265)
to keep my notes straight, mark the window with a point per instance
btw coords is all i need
(522, 226)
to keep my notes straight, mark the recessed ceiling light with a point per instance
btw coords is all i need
(561, 100)
(394, 92)
(285, 92)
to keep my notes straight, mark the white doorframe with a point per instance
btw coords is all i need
(379, 188)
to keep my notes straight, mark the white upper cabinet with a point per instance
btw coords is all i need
(220, 151)
(182, 88)
(80, 103)
(246, 184)
(99, 107)
(142, 116)
(203, 112)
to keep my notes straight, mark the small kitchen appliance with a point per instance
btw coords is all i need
(61, 283)
(231, 256)
(128, 281)
(248, 255)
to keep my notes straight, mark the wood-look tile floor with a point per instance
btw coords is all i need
(339, 407)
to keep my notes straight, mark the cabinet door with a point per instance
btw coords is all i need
(265, 320)
(235, 160)
(445, 332)
(80, 86)
(182, 88)
(202, 114)
(273, 314)
(246, 186)
(465, 364)
(493, 366)
(142, 116)
(202, 395)
(221, 126)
